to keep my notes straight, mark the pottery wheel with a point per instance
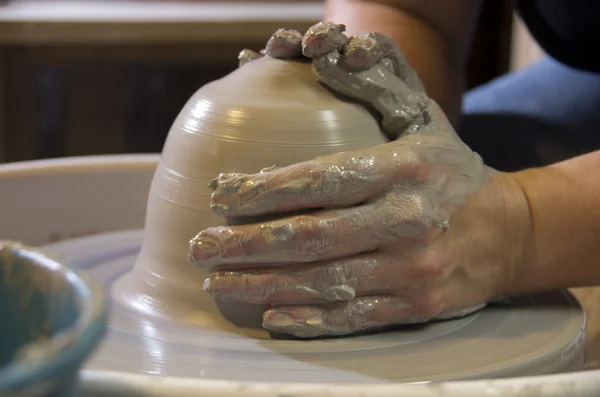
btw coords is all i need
(531, 335)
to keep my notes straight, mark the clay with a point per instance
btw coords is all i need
(268, 112)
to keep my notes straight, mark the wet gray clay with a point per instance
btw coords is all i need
(269, 112)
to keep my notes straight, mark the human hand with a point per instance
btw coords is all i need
(367, 67)
(409, 231)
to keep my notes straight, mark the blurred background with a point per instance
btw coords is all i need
(86, 77)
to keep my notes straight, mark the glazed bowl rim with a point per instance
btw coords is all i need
(69, 348)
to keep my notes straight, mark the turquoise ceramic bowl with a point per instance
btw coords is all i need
(51, 320)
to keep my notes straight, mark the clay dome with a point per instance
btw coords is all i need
(268, 112)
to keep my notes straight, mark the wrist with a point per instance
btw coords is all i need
(532, 277)
(514, 234)
(563, 204)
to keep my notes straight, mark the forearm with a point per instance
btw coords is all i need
(435, 37)
(564, 200)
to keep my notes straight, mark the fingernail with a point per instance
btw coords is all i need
(309, 323)
(230, 183)
(277, 321)
(220, 209)
(202, 248)
(223, 287)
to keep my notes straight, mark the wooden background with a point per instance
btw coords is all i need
(62, 99)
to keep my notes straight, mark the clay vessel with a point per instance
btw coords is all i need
(267, 113)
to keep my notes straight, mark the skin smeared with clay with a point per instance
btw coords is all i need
(366, 49)
(370, 253)
(283, 44)
(368, 67)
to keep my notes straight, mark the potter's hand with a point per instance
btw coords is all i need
(367, 67)
(408, 231)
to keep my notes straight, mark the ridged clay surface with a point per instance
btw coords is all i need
(267, 113)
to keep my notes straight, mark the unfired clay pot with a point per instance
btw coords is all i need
(267, 113)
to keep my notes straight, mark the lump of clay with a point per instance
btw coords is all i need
(269, 112)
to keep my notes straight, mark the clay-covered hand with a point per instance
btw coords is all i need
(368, 67)
(409, 231)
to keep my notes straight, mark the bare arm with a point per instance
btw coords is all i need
(564, 200)
(435, 36)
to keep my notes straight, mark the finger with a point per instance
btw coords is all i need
(299, 239)
(284, 44)
(338, 280)
(246, 56)
(323, 38)
(361, 52)
(337, 180)
(317, 237)
(358, 315)
(400, 106)
(366, 49)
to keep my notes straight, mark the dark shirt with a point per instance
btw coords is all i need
(567, 30)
